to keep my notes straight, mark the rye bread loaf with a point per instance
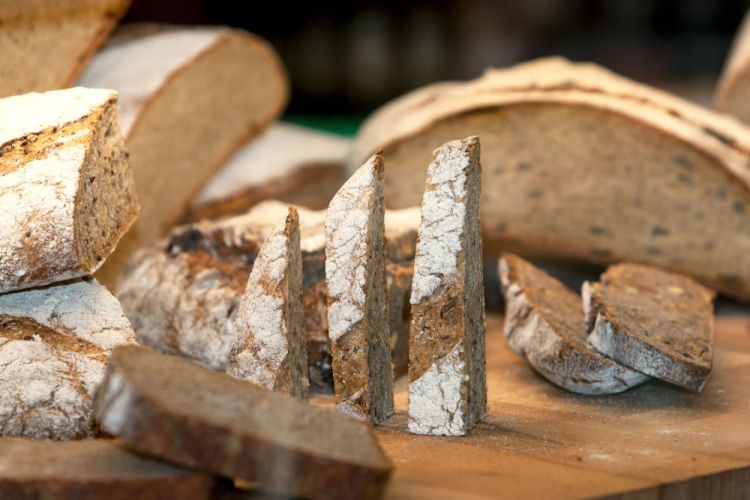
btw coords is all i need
(447, 373)
(46, 44)
(269, 348)
(544, 324)
(54, 344)
(733, 89)
(189, 98)
(66, 190)
(169, 408)
(90, 470)
(182, 293)
(357, 303)
(653, 321)
(613, 171)
(294, 164)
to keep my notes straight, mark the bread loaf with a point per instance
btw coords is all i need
(447, 379)
(613, 170)
(189, 98)
(46, 43)
(54, 344)
(66, 190)
(357, 303)
(734, 85)
(269, 343)
(169, 408)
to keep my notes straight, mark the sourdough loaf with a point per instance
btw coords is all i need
(46, 44)
(180, 119)
(287, 162)
(656, 322)
(734, 85)
(447, 379)
(66, 190)
(183, 292)
(54, 344)
(357, 303)
(269, 339)
(544, 324)
(613, 170)
(169, 408)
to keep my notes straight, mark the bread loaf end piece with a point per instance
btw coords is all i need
(447, 380)
(269, 344)
(358, 324)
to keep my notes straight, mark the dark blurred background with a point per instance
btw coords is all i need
(346, 58)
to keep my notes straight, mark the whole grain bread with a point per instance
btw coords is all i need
(653, 321)
(66, 191)
(170, 408)
(613, 171)
(733, 88)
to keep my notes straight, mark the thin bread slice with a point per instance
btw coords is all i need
(733, 90)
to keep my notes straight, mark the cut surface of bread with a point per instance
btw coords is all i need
(656, 322)
(447, 372)
(606, 156)
(544, 323)
(172, 409)
(54, 344)
(46, 43)
(91, 469)
(66, 191)
(733, 91)
(189, 98)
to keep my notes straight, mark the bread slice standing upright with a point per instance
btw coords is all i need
(269, 344)
(357, 303)
(66, 190)
(447, 379)
(733, 91)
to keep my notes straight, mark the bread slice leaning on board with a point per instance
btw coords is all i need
(189, 97)
(733, 91)
(581, 163)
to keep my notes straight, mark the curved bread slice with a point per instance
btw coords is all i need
(269, 346)
(189, 98)
(577, 186)
(169, 408)
(733, 91)
(46, 44)
(544, 323)
(54, 344)
(66, 190)
(447, 379)
(91, 469)
(357, 303)
(656, 322)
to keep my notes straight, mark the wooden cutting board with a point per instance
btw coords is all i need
(655, 441)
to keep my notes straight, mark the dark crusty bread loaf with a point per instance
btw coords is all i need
(170, 408)
(91, 470)
(656, 322)
(544, 323)
(614, 170)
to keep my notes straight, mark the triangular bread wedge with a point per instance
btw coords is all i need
(66, 191)
(584, 164)
(733, 91)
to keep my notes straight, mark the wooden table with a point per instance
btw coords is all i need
(655, 441)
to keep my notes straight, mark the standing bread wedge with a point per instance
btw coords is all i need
(66, 191)
(357, 302)
(733, 91)
(269, 346)
(447, 379)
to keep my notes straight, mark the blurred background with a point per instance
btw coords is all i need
(346, 58)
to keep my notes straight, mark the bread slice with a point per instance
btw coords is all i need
(190, 98)
(734, 84)
(613, 171)
(544, 324)
(182, 293)
(66, 190)
(90, 469)
(357, 303)
(656, 322)
(269, 344)
(46, 44)
(447, 379)
(287, 162)
(169, 408)
(54, 344)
